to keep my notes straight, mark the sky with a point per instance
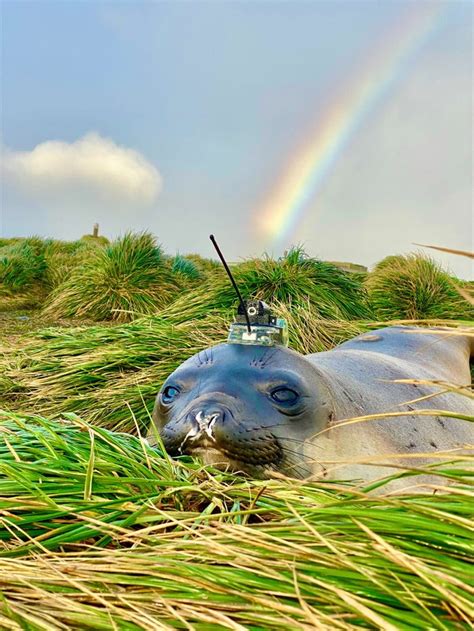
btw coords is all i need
(344, 126)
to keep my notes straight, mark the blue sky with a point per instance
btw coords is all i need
(191, 110)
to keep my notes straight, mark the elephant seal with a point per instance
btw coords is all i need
(261, 409)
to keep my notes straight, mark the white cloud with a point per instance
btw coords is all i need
(92, 167)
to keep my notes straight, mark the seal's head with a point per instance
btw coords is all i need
(249, 408)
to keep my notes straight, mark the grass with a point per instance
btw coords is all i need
(29, 298)
(95, 240)
(294, 279)
(186, 267)
(203, 264)
(102, 372)
(31, 267)
(63, 257)
(18, 326)
(33, 261)
(415, 287)
(100, 531)
(22, 263)
(120, 281)
(91, 278)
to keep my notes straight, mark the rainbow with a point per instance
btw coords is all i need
(310, 164)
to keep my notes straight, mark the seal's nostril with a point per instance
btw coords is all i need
(209, 414)
(203, 421)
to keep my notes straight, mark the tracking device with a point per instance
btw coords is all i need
(254, 323)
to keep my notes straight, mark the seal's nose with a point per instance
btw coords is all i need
(212, 413)
(206, 412)
(206, 419)
(203, 421)
(206, 423)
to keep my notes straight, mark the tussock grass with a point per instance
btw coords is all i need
(23, 267)
(63, 257)
(25, 299)
(309, 333)
(203, 264)
(95, 240)
(103, 372)
(4, 241)
(297, 279)
(415, 287)
(127, 278)
(31, 267)
(186, 267)
(100, 531)
(22, 263)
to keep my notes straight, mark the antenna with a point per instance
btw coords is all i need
(234, 284)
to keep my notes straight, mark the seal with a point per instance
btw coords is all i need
(262, 409)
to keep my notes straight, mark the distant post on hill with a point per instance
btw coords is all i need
(95, 230)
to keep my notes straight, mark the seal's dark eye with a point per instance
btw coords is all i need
(284, 395)
(169, 394)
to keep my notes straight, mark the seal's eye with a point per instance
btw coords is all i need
(169, 394)
(284, 395)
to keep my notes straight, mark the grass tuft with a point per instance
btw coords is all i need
(63, 257)
(186, 267)
(121, 281)
(294, 279)
(415, 287)
(22, 263)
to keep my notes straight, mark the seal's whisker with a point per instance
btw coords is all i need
(287, 450)
(308, 441)
(300, 442)
(299, 469)
(309, 460)
(246, 421)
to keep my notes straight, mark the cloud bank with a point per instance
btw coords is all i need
(93, 167)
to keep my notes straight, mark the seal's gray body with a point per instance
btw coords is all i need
(361, 376)
(223, 405)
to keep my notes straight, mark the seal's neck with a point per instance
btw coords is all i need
(342, 395)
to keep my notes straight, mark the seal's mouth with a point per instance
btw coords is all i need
(265, 451)
(216, 458)
(212, 456)
(221, 441)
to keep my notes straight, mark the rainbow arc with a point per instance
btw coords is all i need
(309, 166)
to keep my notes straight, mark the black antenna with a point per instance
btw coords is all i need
(234, 284)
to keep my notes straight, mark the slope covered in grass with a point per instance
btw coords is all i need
(63, 257)
(294, 279)
(415, 287)
(127, 278)
(99, 530)
(22, 262)
(31, 267)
